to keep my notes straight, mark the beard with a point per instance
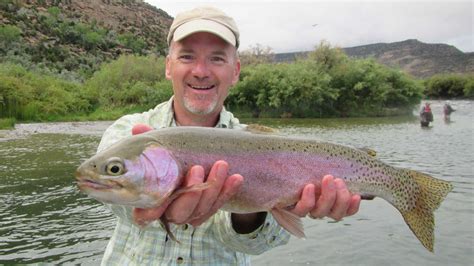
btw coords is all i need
(200, 104)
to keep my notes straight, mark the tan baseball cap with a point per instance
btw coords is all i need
(204, 19)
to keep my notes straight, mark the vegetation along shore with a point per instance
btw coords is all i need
(84, 70)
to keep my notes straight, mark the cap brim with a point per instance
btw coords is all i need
(204, 25)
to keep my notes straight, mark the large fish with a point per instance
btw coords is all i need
(147, 169)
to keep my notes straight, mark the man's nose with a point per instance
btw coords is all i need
(201, 69)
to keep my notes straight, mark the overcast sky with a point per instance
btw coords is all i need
(300, 25)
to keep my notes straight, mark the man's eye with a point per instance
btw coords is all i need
(217, 59)
(185, 57)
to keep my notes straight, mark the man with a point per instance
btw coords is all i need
(447, 110)
(426, 116)
(202, 65)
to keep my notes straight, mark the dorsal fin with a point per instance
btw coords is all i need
(369, 151)
(259, 129)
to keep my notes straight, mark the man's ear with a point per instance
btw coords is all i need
(236, 73)
(168, 68)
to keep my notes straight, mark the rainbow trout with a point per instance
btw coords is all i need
(147, 169)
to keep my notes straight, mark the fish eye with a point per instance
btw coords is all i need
(114, 167)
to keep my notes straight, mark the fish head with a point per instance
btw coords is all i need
(137, 171)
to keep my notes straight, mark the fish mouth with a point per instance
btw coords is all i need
(86, 182)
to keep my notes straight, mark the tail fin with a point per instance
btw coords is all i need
(420, 219)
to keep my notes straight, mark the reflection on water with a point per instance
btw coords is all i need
(44, 218)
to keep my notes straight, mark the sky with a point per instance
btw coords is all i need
(290, 26)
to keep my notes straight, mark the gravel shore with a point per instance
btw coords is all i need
(82, 128)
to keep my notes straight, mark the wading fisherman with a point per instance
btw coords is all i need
(426, 116)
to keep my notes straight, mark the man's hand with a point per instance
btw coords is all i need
(193, 207)
(331, 199)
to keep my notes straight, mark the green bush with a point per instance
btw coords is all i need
(449, 86)
(130, 80)
(27, 95)
(132, 42)
(469, 89)
(366, 88)
(328, 83)
(9, 34)
(7, 123)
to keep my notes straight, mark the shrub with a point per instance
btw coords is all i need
(31, 96)
(130, 80)
(7, 123)
(449, 85)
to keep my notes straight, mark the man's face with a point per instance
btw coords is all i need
(202, 68)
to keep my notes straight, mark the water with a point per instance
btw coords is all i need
(45, 219)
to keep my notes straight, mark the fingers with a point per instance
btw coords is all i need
(307, 201)
(216, 177)
(140, 128)
(197, 206)
(354, 205)
(183, 207)
(143, 216)
(327, 198)
(230, 188)
(335, 201)
(342, 202)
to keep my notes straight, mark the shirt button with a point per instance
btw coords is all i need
(185, 226)
(180, 260)
(273, 239)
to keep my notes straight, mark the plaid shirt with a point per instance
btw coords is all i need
(213, 243)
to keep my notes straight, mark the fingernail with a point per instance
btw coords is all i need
(197, 172)
(340, 185)
(221, 170)
(331, 184)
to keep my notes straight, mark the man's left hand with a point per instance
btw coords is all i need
(330, 199)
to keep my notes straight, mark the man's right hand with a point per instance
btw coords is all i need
(193, 207)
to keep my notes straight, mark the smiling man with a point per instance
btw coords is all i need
(202, 65)
(202, 68)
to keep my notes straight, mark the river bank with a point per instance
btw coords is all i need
(83, 128)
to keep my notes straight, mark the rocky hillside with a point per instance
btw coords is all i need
(417, 58)
(78, 35)
(73, 37)
(414, 57)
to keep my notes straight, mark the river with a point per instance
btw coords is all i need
(45, 219)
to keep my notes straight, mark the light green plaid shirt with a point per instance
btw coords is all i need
(213, 243)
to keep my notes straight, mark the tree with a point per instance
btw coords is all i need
(329, 57)
(257, 54)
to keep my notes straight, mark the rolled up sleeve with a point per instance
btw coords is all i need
(269, 235)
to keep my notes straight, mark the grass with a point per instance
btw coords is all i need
(7, 123)
(100, 114)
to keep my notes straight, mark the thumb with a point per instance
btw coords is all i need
(140, 128)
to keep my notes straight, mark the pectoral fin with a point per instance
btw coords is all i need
(197, 187)
(166, 225)
(291, 222)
